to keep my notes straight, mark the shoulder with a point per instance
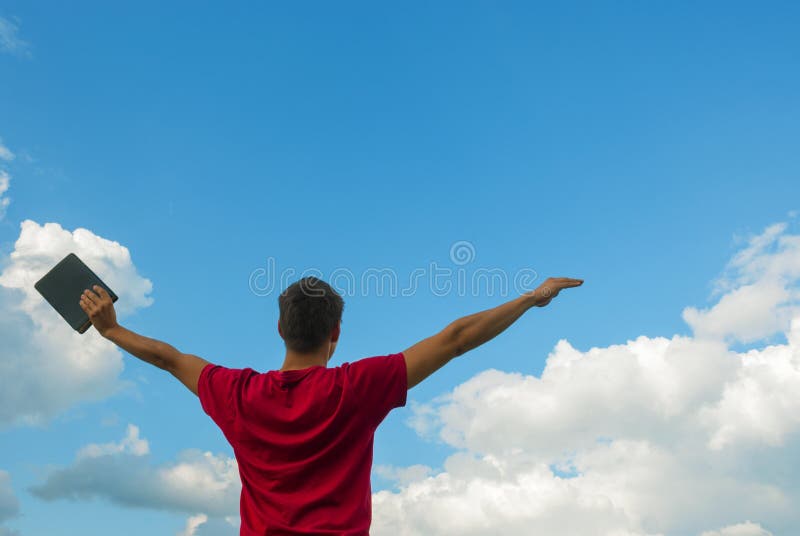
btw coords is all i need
(383, 365)
(375, 359)
(220, 374)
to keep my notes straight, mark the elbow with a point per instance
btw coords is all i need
(166, 357)
(163, 362)
(169, 362)
(456, 338)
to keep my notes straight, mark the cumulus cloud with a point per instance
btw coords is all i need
(130, 444)
(45, 366)
(10, 42)
(760, 292)
(403, 475)
(123, 473)
(741, 529)
(659, 435)
(202, 525)
(192, 523)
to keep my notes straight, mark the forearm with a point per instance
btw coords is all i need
(155, 352)
(431, 354)
(472, 331)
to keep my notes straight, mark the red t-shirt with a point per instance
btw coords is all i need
(303, 441)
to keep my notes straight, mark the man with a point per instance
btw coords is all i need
(303, 435)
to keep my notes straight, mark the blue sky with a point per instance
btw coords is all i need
(631, 145)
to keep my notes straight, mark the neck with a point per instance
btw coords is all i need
(296, 360)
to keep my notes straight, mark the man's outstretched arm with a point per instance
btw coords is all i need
(100, 308)
(431, 354)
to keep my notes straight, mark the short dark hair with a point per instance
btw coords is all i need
(310, 309)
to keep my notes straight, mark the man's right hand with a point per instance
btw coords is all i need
(431, 354)
(550, 289)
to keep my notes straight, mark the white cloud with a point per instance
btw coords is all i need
(10, 42)
(192, 523)
(654, 436)
(5, 179)
(760, 297)
(39, 247)
(402, 476)
(741, 529)
(130, 444)
(202, 525)
(45, 366)
(5, 183)
(5, 152)
(123, 473)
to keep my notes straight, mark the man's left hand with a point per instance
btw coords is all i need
(100, 309)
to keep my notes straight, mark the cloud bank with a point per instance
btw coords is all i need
(123, 473)
(204, 485)
(680, 436)
(45, 366)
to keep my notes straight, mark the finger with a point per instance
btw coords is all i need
(91, 296)
(87, 305)
(568, 282)
(101, 292)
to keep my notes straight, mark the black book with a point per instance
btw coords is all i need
(62, 288)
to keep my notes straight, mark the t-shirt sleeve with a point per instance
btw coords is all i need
(381, 383)
(216, 388)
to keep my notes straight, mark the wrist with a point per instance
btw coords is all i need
(110, 332)
(529, 299)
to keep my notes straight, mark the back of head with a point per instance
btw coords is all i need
(310, 310)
